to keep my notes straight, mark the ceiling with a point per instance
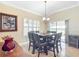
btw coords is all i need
(38, 7)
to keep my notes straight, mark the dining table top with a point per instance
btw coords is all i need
(45, 34)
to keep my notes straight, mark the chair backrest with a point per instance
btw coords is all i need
(51, 31)
(51, 37)
(30, 35)
(36, 31)
(58, 37)
(36, 38)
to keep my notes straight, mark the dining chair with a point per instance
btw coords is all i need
(40, 46)
(51, 46)
(53, 42)
(30, 36)
(58, 41)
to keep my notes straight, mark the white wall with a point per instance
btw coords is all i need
(21, 15)
(73, 15)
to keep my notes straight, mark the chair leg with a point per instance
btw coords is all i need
(33, 51)
(29, 46)
(38, 54)
(45, 50)
(54, 52)
(57, 48)
(39, 50)
(60, 47)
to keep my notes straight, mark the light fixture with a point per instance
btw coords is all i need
(45, 18)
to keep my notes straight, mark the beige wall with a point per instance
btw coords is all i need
(69, 14)
(18, 35)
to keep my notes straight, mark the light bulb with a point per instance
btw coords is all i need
(44, 18)
(48, 19)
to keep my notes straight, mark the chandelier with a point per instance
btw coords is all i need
(45, 18)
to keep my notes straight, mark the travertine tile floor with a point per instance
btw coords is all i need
(22, 51)
(72, 52)
(67, 51)
(50, 53)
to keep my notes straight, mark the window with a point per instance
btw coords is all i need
(61, 28)
(52, 26)
(58, 26)
(31, 25)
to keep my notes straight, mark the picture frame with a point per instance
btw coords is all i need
(8, 22)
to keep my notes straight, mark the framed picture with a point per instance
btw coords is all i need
(8, 22)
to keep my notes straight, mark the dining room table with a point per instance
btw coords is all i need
(45, 36)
